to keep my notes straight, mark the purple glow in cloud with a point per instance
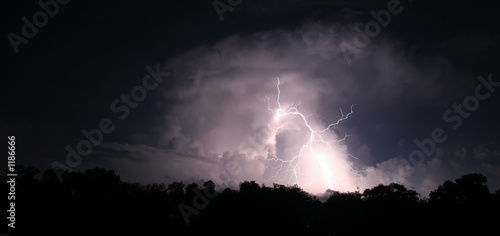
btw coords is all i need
(215, 109)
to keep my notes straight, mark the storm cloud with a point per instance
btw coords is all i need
(215, 122)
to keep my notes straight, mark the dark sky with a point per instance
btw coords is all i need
(209, 118)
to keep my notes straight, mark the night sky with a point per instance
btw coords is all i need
(178, 91)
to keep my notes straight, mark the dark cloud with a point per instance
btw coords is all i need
(219, 116)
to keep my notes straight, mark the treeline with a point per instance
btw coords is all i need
(97, 202)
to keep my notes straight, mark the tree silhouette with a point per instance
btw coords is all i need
(391, 193)
(468, 189)
(98, 202)
(467, 201)
(250, 187)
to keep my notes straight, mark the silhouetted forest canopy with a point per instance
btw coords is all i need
(98, 202)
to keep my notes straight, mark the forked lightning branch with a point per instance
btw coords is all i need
(319, 149)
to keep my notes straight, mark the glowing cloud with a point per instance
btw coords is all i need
(319, 162)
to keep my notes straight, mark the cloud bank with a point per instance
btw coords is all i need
(215, 123)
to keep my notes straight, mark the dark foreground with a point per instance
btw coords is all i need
(96, 202)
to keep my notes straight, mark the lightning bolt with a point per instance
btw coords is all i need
(316, 142)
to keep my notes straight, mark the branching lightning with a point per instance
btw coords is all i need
(317, 146)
